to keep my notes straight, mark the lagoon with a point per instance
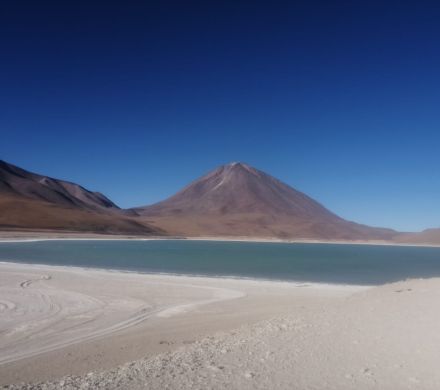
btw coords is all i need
(301, 262)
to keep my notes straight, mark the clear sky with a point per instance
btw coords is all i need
(341, 100)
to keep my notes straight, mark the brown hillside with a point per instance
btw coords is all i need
(239, 200)
(29, 201)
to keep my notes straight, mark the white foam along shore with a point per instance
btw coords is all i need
(213, 333)
(37, 236)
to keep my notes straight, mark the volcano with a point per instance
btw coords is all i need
(239, 200)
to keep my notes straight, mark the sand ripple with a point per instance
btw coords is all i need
(42, 312)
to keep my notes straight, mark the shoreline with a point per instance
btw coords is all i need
(58, 320)
(39, 236)
(213, 333)
(225, 278)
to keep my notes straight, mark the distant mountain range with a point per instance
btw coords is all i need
(428, 236)
(29, 201)
(234, 200)
(20, 183)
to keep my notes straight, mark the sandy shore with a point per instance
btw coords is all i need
(80, 328)
(19, 236)
(64, 320)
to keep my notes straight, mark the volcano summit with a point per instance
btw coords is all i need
(239, 200)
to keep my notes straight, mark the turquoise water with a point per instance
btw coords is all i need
(331, 263)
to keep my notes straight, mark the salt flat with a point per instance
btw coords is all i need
(45, 309)
(74, 328)
(65, 320)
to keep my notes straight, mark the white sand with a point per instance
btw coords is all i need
(200, 333)
(44, 309)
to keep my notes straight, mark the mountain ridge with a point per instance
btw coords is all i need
(233, 200)
(239, 200)
(20, 182)
(30, 201)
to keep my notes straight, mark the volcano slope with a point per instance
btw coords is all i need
(239, 200)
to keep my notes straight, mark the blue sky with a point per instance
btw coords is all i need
(339, 100)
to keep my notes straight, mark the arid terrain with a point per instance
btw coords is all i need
(182, 332)
(233, 201)
(428, 236)
(239, 200)
(32, 202)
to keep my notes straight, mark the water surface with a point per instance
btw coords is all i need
(329, 263)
